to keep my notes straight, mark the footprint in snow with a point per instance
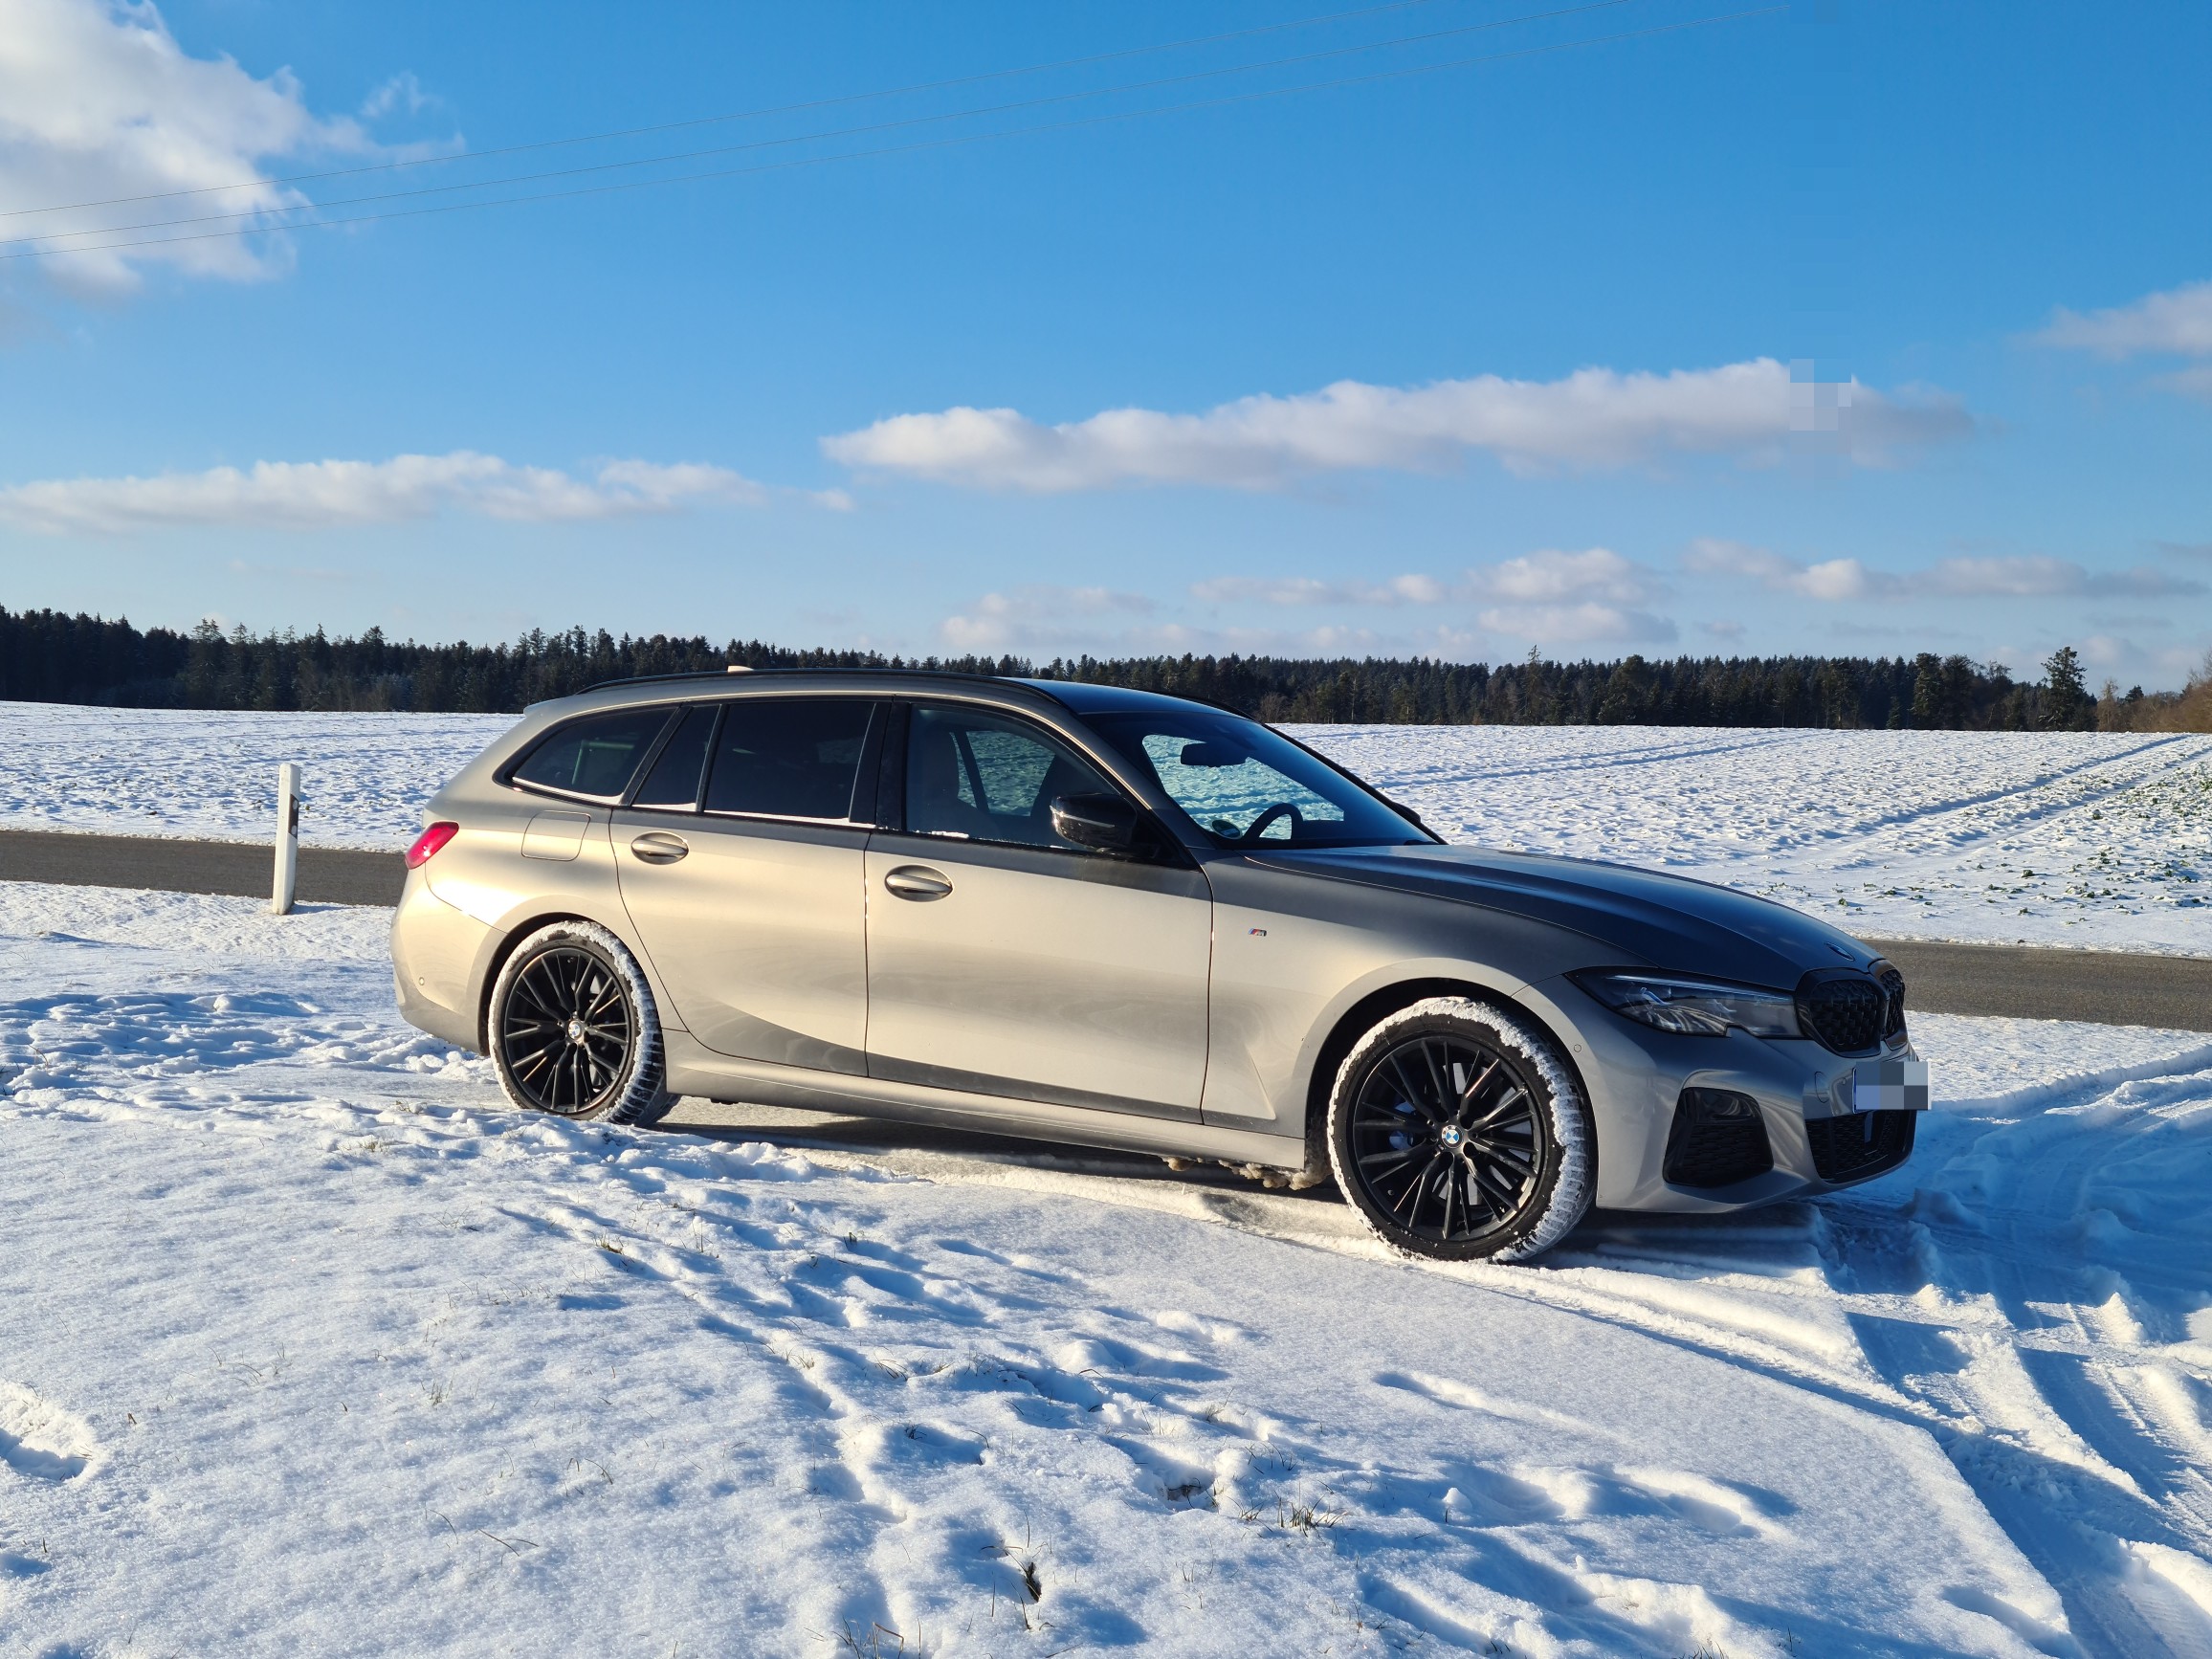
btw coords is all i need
(1095, 1355)
(1215, 1331)
(1447, 1391)
(39, 1440)
(1724, 1509)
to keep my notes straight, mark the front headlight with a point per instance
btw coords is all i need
(1693, 1008)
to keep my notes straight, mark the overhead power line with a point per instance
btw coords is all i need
(957, 139)
(758, 114)
(263, 212)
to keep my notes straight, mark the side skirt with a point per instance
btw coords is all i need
(696, 1070)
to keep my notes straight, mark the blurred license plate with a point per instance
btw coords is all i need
(1887, 1086)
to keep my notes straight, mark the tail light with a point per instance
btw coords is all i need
(428, 843)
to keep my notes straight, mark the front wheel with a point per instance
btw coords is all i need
(1458, 1131)
(573, 1028)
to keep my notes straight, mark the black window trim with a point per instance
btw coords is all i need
(891, 771)
(668, 734)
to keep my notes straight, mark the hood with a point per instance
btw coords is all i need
(1634, 918)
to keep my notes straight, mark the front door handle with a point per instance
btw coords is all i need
(917, 882)
(660, 847)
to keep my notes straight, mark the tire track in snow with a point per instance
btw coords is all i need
(2061, 1395)
(2032, 1368)
(1119, 1394)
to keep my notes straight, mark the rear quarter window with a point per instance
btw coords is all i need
(595, 757)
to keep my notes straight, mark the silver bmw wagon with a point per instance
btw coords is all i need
(1103, 916)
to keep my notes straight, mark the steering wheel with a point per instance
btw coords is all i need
(1280, 810)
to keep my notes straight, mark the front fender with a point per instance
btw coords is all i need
(1294, 956)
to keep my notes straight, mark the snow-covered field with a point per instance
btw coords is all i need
(307, 1346)
(2078, 839)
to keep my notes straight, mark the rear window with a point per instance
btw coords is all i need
(596, 756)
(789, 757)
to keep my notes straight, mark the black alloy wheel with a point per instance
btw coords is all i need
(566, 1031)
(1446, 1138)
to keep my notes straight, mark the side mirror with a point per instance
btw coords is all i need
(1103, 823)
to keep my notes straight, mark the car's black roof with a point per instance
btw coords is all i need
(1085, 698)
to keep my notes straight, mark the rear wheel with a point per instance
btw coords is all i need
(1458, 1131)
(573, 1028)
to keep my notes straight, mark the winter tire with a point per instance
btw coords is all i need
(1458, 1131)
(572, 1027)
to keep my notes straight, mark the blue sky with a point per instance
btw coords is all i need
(1837, 327)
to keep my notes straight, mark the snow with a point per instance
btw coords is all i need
(2083, 839)
(311, 1346)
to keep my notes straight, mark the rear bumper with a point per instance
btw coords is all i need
(434, 952)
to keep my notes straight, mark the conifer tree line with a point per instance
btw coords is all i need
(50, 657)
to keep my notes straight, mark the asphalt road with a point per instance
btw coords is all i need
(2026, 981)
(2037, 983)
(327, 874)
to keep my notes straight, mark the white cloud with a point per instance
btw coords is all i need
(97, 101)
(2194, 382)
(2177, 323)
(1550, 596)
(1593, 418)
(2037, 577)
(2032, 576)
(319, 494)
(1587, 624)
(403, 92)
(1024, 615)
(1834, 579)
(1409, 590)
(1548, 576)
(1043, 620)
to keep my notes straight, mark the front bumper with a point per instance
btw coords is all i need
(1808, 1102)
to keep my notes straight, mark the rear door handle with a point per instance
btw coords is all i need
(660, 847)
(917, 882)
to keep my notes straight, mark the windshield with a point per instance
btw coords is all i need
(1245, 785)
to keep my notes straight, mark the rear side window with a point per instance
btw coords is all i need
(595, 756)
(672, 785)
(789, 757)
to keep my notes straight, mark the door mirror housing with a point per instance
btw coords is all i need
(1102, 823)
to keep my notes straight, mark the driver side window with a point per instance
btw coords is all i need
(980, 777)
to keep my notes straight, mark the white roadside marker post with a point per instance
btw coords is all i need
(287, 838)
